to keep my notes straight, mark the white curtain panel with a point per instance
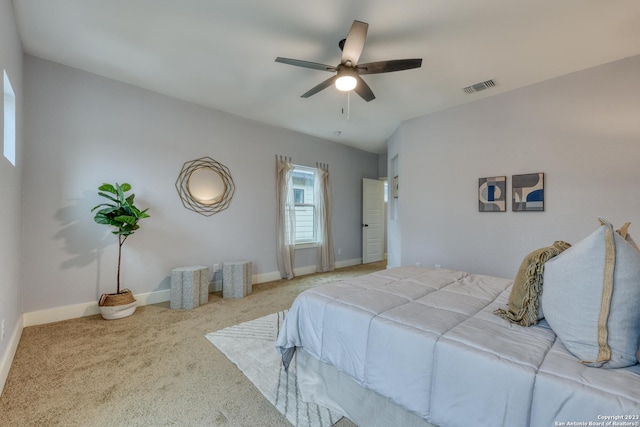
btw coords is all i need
(322, 191)
(285, 216)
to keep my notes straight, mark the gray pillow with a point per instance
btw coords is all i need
(591, 297)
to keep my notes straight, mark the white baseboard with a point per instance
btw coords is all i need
(302, 271)
(275, 275)
(91, 308)
(10, 352)
(349, 263)
(86, 309)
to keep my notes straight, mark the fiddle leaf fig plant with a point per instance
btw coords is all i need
(120, 213)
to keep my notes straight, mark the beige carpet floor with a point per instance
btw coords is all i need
(154, 368)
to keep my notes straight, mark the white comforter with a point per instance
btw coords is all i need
(428, 340)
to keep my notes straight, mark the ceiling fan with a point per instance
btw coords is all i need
(348, 72)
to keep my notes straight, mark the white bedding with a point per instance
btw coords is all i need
(428, 340)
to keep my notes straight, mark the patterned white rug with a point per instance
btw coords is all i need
(251, 347)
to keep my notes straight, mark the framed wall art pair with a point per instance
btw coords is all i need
(527, 193)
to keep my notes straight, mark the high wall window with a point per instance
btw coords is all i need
(303, 193)
(386, 191)
(9, 120)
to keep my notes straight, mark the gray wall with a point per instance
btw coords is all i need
(82, 130)
(382, 165)
(582, 130)
(10, 190)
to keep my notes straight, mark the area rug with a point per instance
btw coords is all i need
(251, 347)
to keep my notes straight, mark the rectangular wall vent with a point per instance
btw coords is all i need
(479, 86)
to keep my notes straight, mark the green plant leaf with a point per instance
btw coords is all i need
(138, 213)
(125, 187)
(108, 197)
(121, 199)
(100, 205)
(116, 224)
(110, 211)
(108, 187)
(127, 219)
(102, 219)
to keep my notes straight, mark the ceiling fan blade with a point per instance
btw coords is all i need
(354, 43)
(306, 64)
(389, 66)
(363, 89)
(325, 84)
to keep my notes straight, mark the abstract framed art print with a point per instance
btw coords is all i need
(528, 192)
(492, 194)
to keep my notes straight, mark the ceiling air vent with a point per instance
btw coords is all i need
(479, 86)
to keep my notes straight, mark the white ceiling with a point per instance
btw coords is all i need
(220, 53)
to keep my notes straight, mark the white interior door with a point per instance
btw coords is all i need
(372, 220)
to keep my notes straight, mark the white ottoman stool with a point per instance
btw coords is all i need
(236, 279)
(189, 286)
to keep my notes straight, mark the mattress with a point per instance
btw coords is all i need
(427, 340)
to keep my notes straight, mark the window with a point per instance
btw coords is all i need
(9, 121)
(386, 191)
(303, 193)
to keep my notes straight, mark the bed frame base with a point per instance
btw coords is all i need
(326, 386)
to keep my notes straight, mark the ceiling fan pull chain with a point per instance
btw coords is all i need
(348, 105)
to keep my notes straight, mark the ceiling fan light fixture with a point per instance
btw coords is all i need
(346, 83)
(346, 80)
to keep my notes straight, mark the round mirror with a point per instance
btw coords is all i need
(206, 185)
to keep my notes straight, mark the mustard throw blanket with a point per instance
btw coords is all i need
(524, 304)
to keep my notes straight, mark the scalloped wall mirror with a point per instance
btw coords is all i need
(205, 186)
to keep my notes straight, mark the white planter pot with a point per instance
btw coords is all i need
(112, 312)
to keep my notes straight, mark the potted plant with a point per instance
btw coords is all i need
(121, 214)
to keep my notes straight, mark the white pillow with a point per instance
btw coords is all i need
(594, 310)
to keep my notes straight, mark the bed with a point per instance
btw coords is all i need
(415, 346)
